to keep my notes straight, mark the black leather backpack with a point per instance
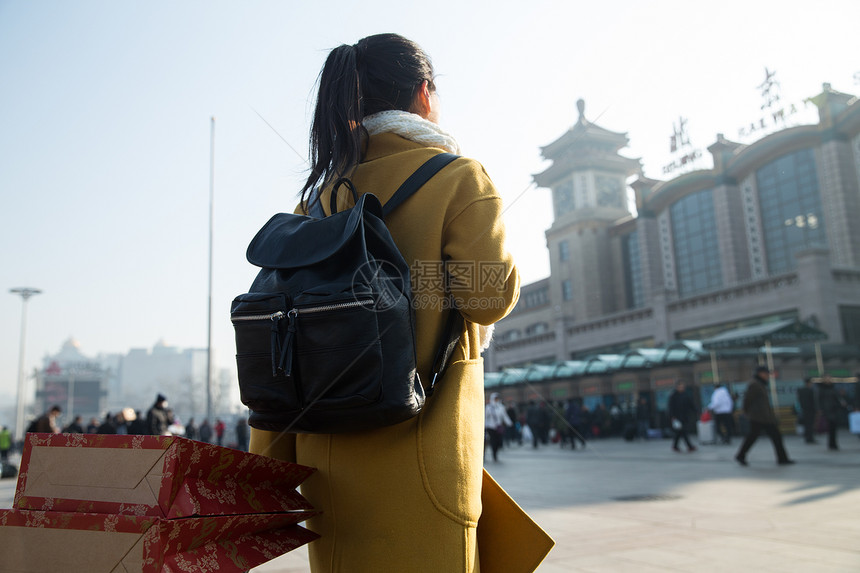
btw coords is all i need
(325, 339)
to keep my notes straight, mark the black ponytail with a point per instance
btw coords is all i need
(378, 73)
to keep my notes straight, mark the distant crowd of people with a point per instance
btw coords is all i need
(820, 408)
(159, 420)
(563, 423)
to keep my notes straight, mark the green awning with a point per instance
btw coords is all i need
(782, 332)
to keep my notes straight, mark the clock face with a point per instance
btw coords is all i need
(609, 191)
(563, 198)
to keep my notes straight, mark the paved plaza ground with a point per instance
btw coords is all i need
(691, 512)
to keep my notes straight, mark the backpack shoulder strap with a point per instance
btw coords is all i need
(454, 323)
(421, 176)
(415, 181)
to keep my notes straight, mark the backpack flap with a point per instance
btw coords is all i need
(290, 241)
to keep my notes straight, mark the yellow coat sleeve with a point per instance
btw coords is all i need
(485, 282)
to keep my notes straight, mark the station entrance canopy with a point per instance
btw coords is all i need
(775, 334)
(782, 332)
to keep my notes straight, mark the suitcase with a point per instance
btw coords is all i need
(854, 422)
(706, 432)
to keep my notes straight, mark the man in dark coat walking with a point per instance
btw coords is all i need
(681, 407)
(806, 399)
(831, 405)
(762, 418)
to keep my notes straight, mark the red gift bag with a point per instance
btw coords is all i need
(149, 504)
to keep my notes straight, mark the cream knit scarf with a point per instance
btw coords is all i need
(410, 126)
(415, 128)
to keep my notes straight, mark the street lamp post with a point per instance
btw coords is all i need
(209, 309)
(25, 293)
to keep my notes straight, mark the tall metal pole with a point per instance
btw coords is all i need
(25, 293)
(819, 359)
(209, 312)
(715, 371)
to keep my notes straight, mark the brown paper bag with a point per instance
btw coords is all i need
(509, 541)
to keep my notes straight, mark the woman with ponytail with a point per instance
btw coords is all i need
(406, 497)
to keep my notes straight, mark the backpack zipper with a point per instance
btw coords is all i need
(284, 351)
(278, 315)
(334, 306)
(271, 316)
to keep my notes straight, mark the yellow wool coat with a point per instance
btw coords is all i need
(408, 497)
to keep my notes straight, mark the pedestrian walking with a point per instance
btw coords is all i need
(496, 421)
(831, 405)
(808, 409)
(761, 418)
(643, 418)
(681, 409)
(722, 406)
(512, 434)
(574, 423)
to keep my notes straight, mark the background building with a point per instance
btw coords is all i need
(76, 383)
(179, 374)
(768, 234)
(91, 387)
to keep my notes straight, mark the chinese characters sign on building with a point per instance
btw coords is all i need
(681, 148)
(775, 113)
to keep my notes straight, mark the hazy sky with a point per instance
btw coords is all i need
(105, 113)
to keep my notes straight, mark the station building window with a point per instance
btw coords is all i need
(849, 316)
(790, 206)
(510, 336)
(563, 251)
(566, 290)
(535, 329)
(535, 298)
(697, 254)
(632, 270)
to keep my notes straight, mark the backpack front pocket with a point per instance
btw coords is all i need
(262, 353)
(339, 353)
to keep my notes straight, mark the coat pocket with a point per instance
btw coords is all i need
(451, 437)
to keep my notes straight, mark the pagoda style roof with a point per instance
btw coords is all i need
(584, 134)
(585, 146)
